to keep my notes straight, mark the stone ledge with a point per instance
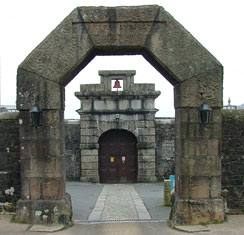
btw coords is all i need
(192, 228)
(116, 72)
(9, 115)
(92, 179)
(196, 211)
(45, 228)
(44, 211)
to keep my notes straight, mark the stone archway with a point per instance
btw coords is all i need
(197, 78)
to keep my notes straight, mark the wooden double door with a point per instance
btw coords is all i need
(118, 157)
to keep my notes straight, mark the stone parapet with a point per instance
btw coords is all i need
(10, 158)
(232, 159)
(72, 149)
(165, 147)
(100, 98)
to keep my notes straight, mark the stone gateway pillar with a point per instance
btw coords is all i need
(42, 158)
(198, 162)
(146, 30)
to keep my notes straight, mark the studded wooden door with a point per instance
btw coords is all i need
(117, 157)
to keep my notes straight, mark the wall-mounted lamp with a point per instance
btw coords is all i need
(117, 116)
(35, 116)
(205, 113)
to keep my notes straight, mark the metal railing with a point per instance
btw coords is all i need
(8, 108)
(230, 107)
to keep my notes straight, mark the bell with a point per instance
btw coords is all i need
(117, 84)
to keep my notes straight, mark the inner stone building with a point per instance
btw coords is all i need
(117, 139)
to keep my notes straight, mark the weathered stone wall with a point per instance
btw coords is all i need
(72, 149)
(9, 158)
(233, 157)
(232, 154)
(165, 148)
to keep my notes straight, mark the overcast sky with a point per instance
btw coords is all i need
(216, 24)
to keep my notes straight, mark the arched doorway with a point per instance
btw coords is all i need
(117, 157)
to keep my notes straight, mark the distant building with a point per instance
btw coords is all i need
(240, 106)
(230, 106)
(8, 108)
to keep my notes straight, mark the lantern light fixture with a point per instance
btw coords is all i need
(35, 116)
(205, 113)
(117, 116)
(117, 120)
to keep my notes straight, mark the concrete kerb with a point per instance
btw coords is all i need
(234, 225)
(8, 226)
(46, 228)
(191, 229)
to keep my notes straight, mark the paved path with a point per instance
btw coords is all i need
(83, 197)
(152, 196)
(99, 202)
(119, 202)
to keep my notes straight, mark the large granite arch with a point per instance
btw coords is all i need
(152, 32)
